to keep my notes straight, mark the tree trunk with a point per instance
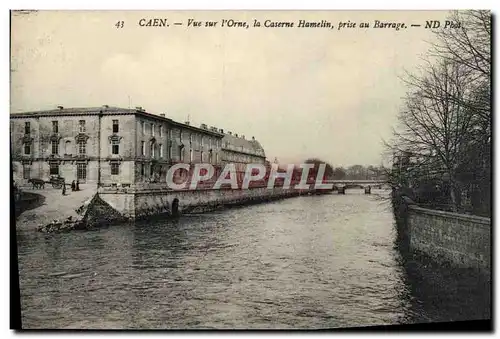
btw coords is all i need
(454, 196)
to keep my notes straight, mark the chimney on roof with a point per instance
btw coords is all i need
(229, 132)
(253, 138)
(162, 114)
(236, 134)
(204, 126)
(60, 107)
(221, 130)
(186, 122)
(139, 108)
(105, 106)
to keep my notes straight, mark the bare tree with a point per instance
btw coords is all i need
(445, 123)
(469, 45)
(433, 124)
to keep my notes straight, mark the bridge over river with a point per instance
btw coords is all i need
(357, 183)
(341, 185)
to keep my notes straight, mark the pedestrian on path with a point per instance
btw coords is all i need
(64, 188)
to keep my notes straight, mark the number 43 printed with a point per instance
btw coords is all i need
(120, 24)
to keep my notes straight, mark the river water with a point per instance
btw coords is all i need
(306, 262)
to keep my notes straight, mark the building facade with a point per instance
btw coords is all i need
(106, 145)
(240, 152)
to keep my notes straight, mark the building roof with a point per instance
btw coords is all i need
(77, 111)
(238, 144)
(110, 110)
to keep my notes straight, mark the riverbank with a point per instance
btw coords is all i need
(27, 201)
(106, 206)
(52, 205)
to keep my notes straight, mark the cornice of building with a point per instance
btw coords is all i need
(106, 110)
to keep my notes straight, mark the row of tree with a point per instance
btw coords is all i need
(443, 140)
(355, 172)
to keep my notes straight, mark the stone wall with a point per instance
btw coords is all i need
(122, 202)
(101, 212)
(135, 204)
(459, 239)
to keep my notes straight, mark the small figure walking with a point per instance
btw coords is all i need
(77, 185)
(73, 186)
(64, 188)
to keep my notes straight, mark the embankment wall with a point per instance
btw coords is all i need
(139, 204)
(459, 239)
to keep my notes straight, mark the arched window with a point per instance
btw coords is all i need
(67, 147)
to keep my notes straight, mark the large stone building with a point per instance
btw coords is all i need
(106, 145)
(116, 146)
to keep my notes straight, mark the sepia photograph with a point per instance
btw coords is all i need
(251, 169)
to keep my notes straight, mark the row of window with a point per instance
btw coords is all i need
(201, 140)
(81, 127)
(115, 149)
(152, 152)
(152, 149)
(153, 129)
(197, 137)
(202, 156)
(81, 170)
(143, 170)
(82, 148)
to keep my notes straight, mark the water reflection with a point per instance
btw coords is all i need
(306, 262)
(438, 295)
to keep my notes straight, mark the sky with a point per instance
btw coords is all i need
(302, 92)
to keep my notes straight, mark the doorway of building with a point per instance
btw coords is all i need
(175, 207)
(81, 172)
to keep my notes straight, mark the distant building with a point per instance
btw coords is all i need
(240, 151)
(106, 145)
